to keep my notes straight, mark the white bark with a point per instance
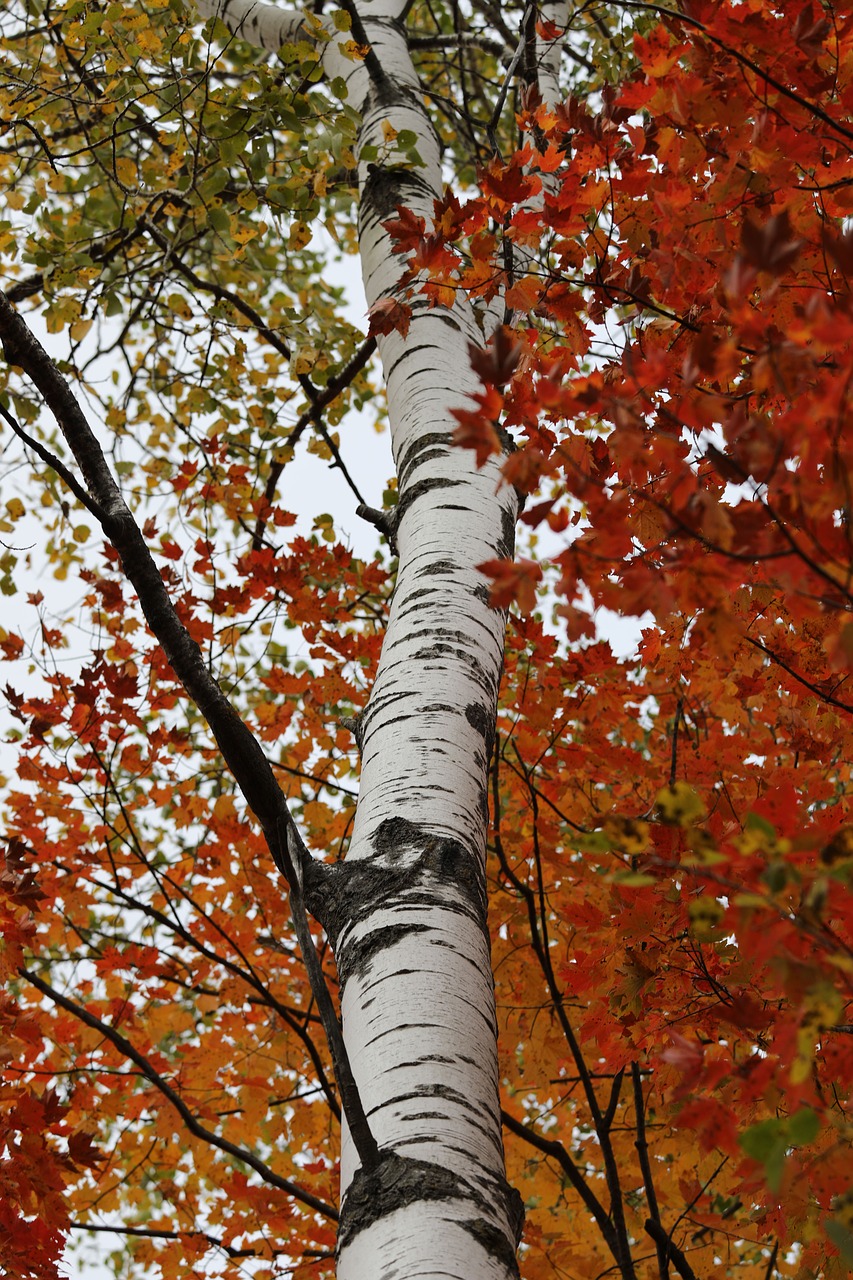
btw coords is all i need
(550, 57)
(408, 918)
(413, 951)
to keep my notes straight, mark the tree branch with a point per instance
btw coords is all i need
(246, 975)
(744, 61)
(679, 1261)
(240, 749)
(813, 688)
(152, 1234)
(55, 465)
(362, 1136)
(558, 1152)
(320, 402)
(193, 1124)
(645, 1166)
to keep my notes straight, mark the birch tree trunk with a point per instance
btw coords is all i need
(407, 914)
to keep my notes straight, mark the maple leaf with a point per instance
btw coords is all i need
(498, 361)
(509, 183)
(772, 247)
(388, 315)
(83, 1152)
(686, 1055)
(406, 230)
(477, 428)
(513, 581)
(677, 244)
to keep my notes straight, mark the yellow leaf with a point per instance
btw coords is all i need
(300, 235)
(679, 805)
(125, 171)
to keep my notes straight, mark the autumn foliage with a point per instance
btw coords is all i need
(671, 842)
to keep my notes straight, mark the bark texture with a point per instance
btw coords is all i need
(408, 912)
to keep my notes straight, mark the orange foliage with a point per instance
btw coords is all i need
(671, 841)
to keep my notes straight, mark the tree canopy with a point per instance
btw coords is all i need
(647, 215)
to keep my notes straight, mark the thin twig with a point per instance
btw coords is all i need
(54, 463)
(152, 1234)
(558, 1152)
(673, 764)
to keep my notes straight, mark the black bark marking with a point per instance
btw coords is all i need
(387, 186)
(358, 953)
(478, 719)
(493, 1240)
(352, 891)
(447, 1092)
(394, 832)
(410, 455)
(436, 567)
(408, 353)
(398, 1181)
(411, 493)
(506, 543)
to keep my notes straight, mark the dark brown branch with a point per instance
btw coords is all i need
(645, 1166)
(241, 751)
(558, 1152)
(613, 1102)
(673, 764)
(492, 125)
(675, 1255)
(813, 688)
(771, 1262)
(362, 1135)
(195, 1127)
(375, 69)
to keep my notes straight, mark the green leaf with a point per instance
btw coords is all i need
(755, 822)
(803, 1127)
(765, 1142)
(769, 1141)
(634, 879)
(841, 1237)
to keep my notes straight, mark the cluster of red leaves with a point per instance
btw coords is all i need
(686, 816)
(139, 889)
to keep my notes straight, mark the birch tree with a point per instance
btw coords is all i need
(250, 1014)
(423, 1184)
